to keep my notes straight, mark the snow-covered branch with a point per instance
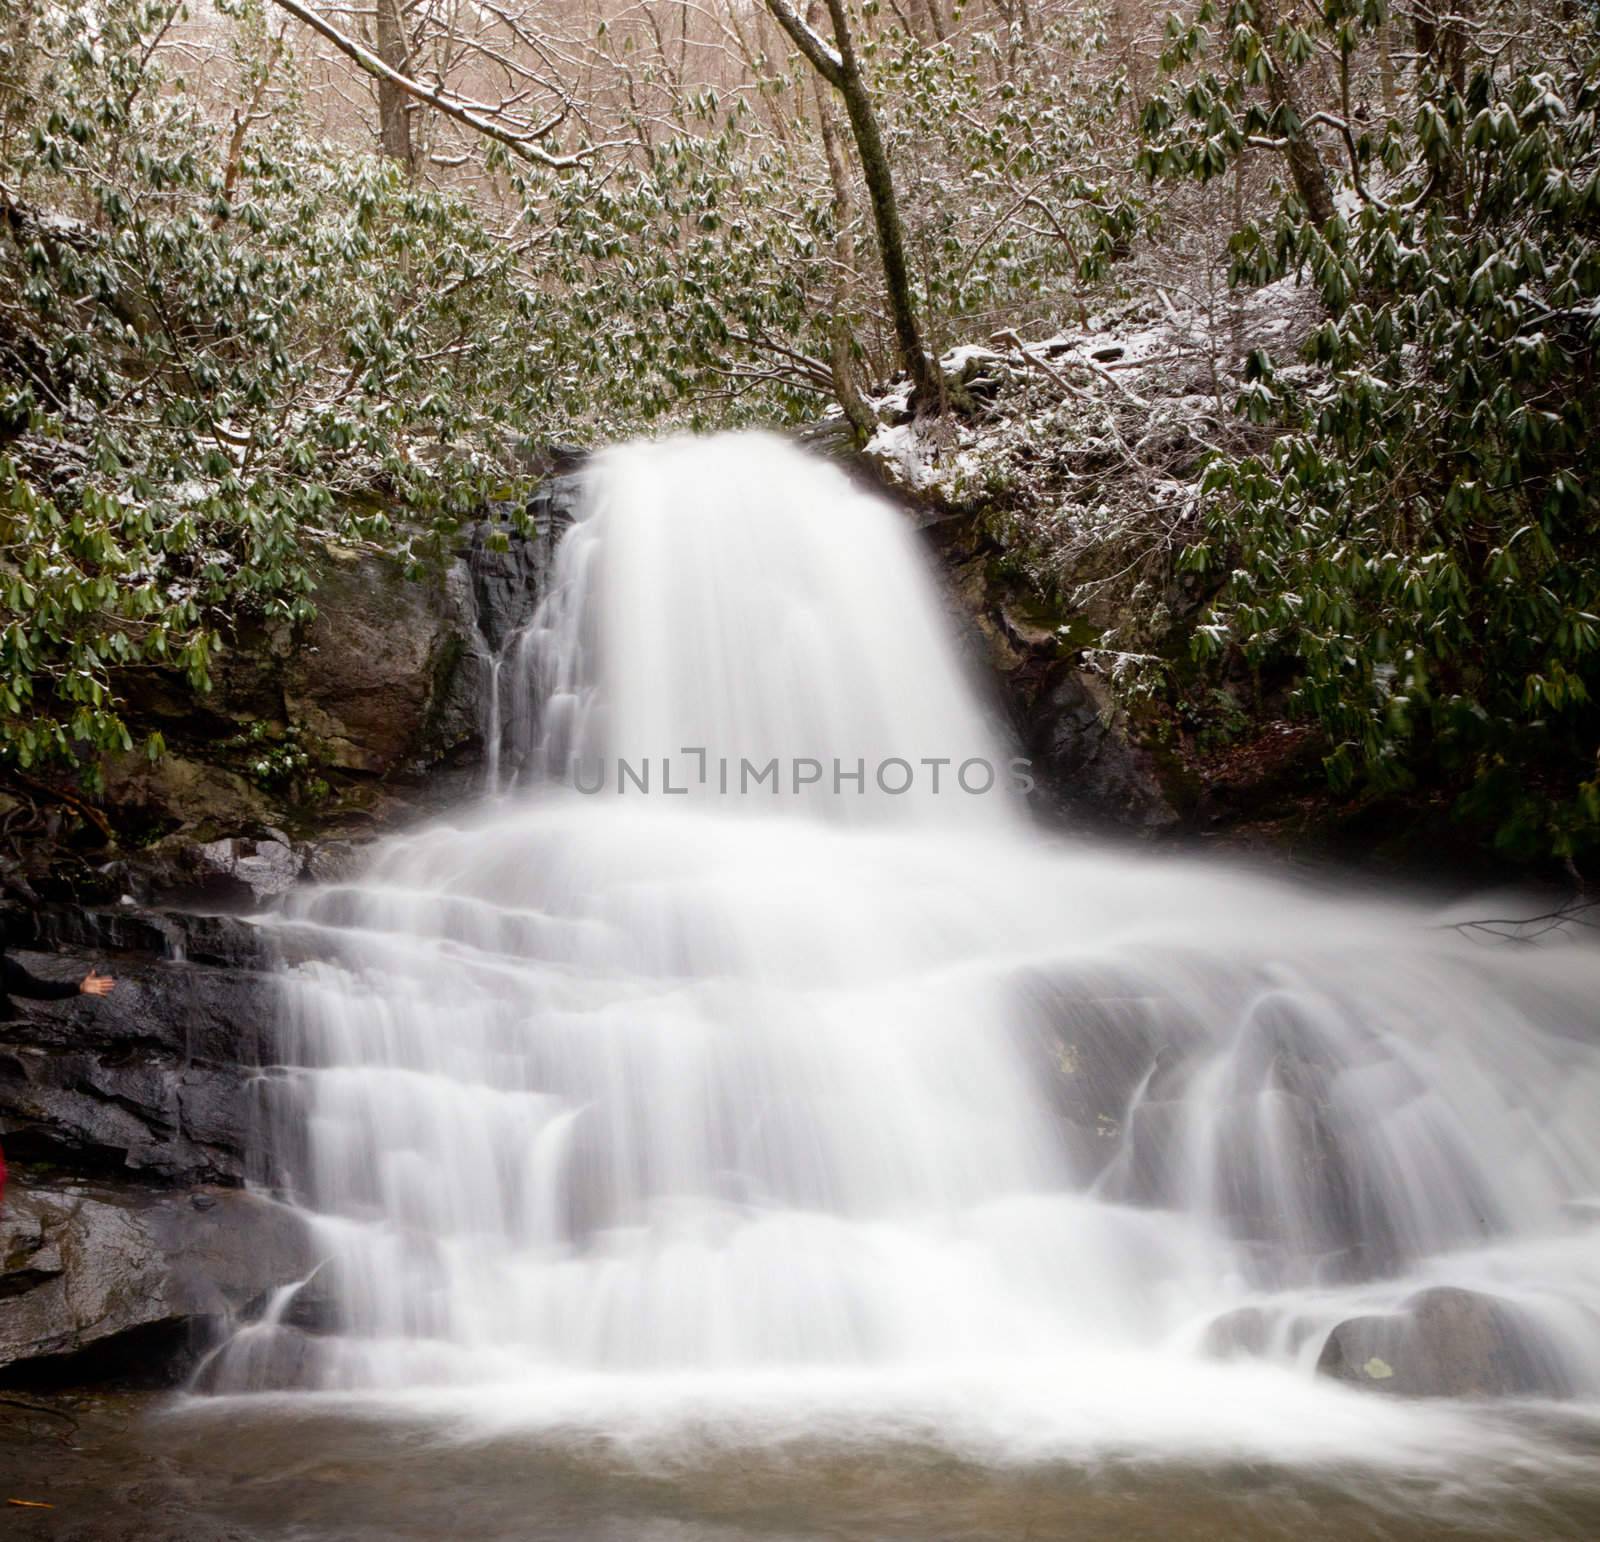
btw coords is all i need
(823, 57)
(524, 142)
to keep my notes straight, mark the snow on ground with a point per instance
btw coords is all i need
(1126, 374)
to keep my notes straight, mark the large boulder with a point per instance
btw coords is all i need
(371, 682)
(306, 724)
(1447, 1342)
(84, 1266)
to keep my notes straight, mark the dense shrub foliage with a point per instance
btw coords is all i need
(215, 354)
(1423, 535)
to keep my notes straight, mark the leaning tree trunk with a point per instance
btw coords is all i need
(858, 414)
(891, 241)
(842, 70)
(1306, 170)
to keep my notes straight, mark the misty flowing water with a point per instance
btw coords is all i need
(810, 1115)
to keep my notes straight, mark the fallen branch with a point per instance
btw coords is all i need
(1528, 929)
(84, 810)
(1039, 363)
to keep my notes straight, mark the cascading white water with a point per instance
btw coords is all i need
(790, 1103)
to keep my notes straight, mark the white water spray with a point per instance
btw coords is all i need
(835, 1101)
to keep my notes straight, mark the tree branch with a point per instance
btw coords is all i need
(824, 60)
(523, 144)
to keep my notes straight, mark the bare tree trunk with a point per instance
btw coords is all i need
(1442, 43)
(394, 112)
(243, 118)
(926, 386)
(1235, 297)
(842, 70)
(1386, 68)
(1014, 29)
(859, 415)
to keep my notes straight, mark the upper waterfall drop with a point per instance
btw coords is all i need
(665, 1107)
(728, 605)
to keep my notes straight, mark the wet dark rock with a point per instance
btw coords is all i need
(509, 568)
(1086, 759)
(1280, 1046)
(156, 1080)
(254, 871)
(1099, 1048)
(223, 940)
(1243, 1333)
(1256, 1332)
(504, 577)
(318, 1305)
(1099, 1043)
(1275, 1176)
(81, 1266)
(1081, 743)
(1280, 1175)
(1157, 1112)
(1374, 1257)
(128, 1121)
(1447, 1342)
(334, 861)
(265, 1356)
(1152, 1165)
(183, 871)
(126, 928)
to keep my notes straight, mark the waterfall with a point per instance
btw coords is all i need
(820, 1093)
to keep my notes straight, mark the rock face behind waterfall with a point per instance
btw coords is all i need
(365, 717)
(1085, 756)
(1103, 764)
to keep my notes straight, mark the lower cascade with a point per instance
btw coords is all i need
(652, 1091)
